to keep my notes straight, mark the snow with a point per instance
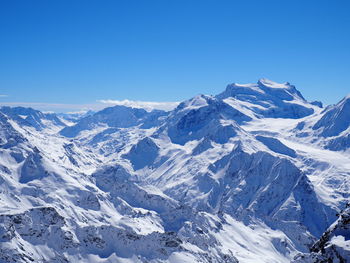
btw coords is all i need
(254, 243)
(272, 84)
(243, 175)
(340, 242)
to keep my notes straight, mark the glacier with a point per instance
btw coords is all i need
(254, 174)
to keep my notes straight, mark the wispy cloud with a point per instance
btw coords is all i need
(3, 95)
(147, 105)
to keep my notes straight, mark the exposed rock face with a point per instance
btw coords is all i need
(334, 244)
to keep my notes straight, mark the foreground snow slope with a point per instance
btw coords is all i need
(249, 175)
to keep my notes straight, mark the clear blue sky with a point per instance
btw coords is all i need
(77, 52)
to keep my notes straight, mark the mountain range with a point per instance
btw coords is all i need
(254, 174)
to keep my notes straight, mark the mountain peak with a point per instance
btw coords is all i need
(336, 118)
(271, 84)
(265, 86)
(268, 99)
(346, 99)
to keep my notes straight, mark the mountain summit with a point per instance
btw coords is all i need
(268, 99)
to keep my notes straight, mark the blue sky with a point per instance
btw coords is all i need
(78, 52)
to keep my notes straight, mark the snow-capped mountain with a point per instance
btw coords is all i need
(254, 174)
(268, 99)
(32, 118)
(116, 117)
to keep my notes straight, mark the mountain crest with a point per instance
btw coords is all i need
(268, 99)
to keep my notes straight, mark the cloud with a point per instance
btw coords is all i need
(147, 105)
(78, 112)
(3, 95)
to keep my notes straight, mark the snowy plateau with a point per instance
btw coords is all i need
(253, 174)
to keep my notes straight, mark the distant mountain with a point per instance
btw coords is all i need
(254, 174)
(30, 117)
(117, 117)
(75, 116)
(268, 99)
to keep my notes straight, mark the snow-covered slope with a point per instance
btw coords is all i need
(335, 119)
(244, 176)
(334, 125)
